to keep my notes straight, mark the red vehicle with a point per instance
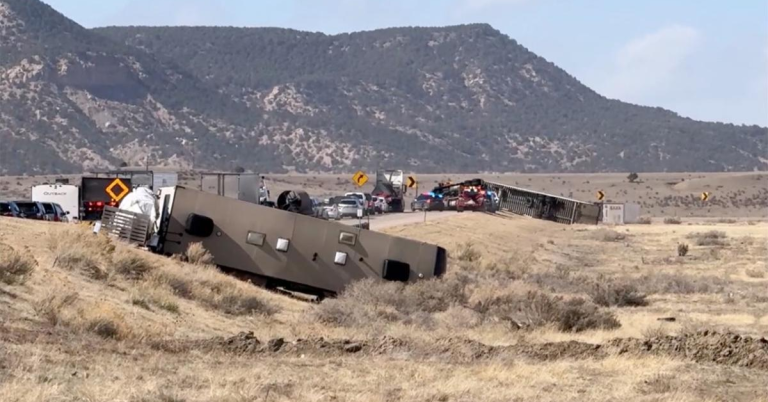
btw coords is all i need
(466, 196)
(390, 185)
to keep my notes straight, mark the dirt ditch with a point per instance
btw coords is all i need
(703, 347)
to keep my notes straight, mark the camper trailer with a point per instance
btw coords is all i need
(66, 195)
(288, 249)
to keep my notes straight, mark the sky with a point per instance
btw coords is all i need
(704, 59)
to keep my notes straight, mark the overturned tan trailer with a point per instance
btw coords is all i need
(288, 249)
(523, 201)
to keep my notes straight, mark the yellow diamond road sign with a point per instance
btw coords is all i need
(600, 195)
(360, 178)
(123, 190)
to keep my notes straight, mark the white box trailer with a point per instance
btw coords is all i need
(66, 195)
(620, 213)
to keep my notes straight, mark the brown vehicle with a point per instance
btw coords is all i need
(288, 249)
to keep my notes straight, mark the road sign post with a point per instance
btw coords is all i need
(360, 178)
(359, 220)
(124, 190)
(600, 195)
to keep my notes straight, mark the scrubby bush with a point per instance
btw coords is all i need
(102, 320)
(468, 253)
(15, 267)
(77, 259)
(197, 254)
(131, 265)
(682, 250)
(536, 309)
(710, 238)
(81, 250)
(560, 279)
(755, 273)
(368, 302)
(82, 241)
(105, 327)
(673, 220)
(210, 287)
(578, 315)
(609, 293)
(52, 307)
(653, 332)
(645, 220)
(665, 283)
(236, 303)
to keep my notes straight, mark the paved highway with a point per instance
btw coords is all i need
(379, 222)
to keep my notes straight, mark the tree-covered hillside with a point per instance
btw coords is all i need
(461, 98)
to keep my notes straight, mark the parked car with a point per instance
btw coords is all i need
(54, 212)
(366, 199)
(30, 210)
(8, 208)
(427, 202)
(348, 207)
(380, 205)
(331, 212)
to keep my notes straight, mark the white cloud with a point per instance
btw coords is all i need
(651, 63)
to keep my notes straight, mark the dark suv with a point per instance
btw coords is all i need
(8, 208)
(54, 212)
(426, 202)
(30, 210)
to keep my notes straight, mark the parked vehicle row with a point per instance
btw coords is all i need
(347, 206)
(43, 211)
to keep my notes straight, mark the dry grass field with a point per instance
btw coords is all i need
(733, 195)
(529, 310)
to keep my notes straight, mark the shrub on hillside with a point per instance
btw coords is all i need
(665, 283)
(81, 240)
(81, 250)
(52, 307)
(131, 265)
(710, 238)
(755, 273)
(77, 260)
(673, 220)
(369, 302)
(197, 254)
(15, 267)
(212, 288)
(608, 293)
(468, 253)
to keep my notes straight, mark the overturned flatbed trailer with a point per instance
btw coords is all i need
(286, 249)
(545, 206)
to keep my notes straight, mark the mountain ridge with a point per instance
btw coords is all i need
(426, 99)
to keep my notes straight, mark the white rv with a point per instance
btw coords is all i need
(66, 195)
